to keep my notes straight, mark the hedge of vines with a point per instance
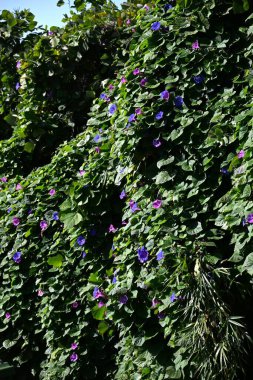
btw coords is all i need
(126, 205)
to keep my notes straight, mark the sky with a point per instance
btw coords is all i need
(46, 12)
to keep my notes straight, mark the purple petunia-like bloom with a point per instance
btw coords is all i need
(136, 71)
(165, 95)
(157, 203)
(18, 186)
(74, 346)
(80, 240)
(112, 109)
(73, 357)
(142, 255)
(131, 118)
(160, 255)
(101, 304)
(122, 194)
(198, 79)
(17, 257)
(241, 154)
(173, 297)
(133, 205)
(195, 45)
(112, 228)
(18, 64)
(97, 293)
(52, 192)
(96, 138)
(55, 216)
(15, 221)
(104, 96)
(43, 225)
(4, 179)
(143, 81)
(157, 143)
(7, 315)
(123, 80)
(123, 299)
(97, 149)
(178, 101)
(250, 218)
(159, 115)
(75, 305)
(138, 111)
(155, 26)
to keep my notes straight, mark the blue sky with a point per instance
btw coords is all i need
(46, 11)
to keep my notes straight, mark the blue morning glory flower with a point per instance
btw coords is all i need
(123, 299)
(131, 118)
(17, 257)
(159, 115)
(178, 101)
(103, 96)
(167, 7)
(198, 79)
(155, 26)
(96, 138)
(142, 255)
(81, 240)
(160, 255)
(55, 216)
(114, 279)
(173, 297)
(112, 109)
(122, 194)
(83, 254)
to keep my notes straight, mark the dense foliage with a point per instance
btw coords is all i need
(126, 211)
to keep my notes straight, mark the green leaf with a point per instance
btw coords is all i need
(102, 327)
(70, 219)
(55, 261)
(248, 264)
(162, 177)
(29, 147)
(98, 313)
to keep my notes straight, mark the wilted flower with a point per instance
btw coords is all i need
(123, 299)
(112, 228)
(155, 26)
(17, 85)
(160, 255)
(75, 305)
(155, 302)
(241, 154)
(55, 216)
(146, 7)
(40, 293)
(157, 143)
(136, 71)
(165, 95)
(73, 357)
(97, 149)
(52, 192)
(122, 194)
(143, 81)
(18, 187)
(131, 118)
(15, 221)
(80, 240)
(101, 304)
(198, 79)
(159, 115)
(142, 254)
(112, 109)
(17, 257)
(178, 101)
(111, 87)
(74, 346)
(195, 45)
(133, 205)
(97, 293)
(43, 225)
(157, 203)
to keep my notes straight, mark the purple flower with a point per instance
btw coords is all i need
(159, 115)
(112, 228)
(224, 171)
(9, 210)
(123, 299)
(143, 81)
(133, 205)
(4, 179)
(17, 86)
(122, 194)
(93, 232)
(52, 192)
(157, 203)
(161, 315)
(104, 96)
(55, 216)
(250, 218)
(83, 254)
(155, 26)
(138, 111)
(241, 154)
(97, 149)
(75, 305)
(7, 315)
(15, 221)
(165, 95)
(43, 225)
(173, 297)
(136, 71)
(178, 101)
(167, 7)
(131, 118)
(198, 79)
(244, 222)
(96, 138)
(80, 240)
(17, 257)
(74, 346)
(155, 302)
(97, 293)
(146, 7)
(73, 357)
(123, 80)
(50, 33)
(157, 143)
(112, 109)
(111, 87)
(40, 292)
(18, 187)
(142, 255)
(160, 255)
(195, 45)
(18, 64)
(29, 212)
(101, 304)
(81, 172)
(114, 279)
(128, 21)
